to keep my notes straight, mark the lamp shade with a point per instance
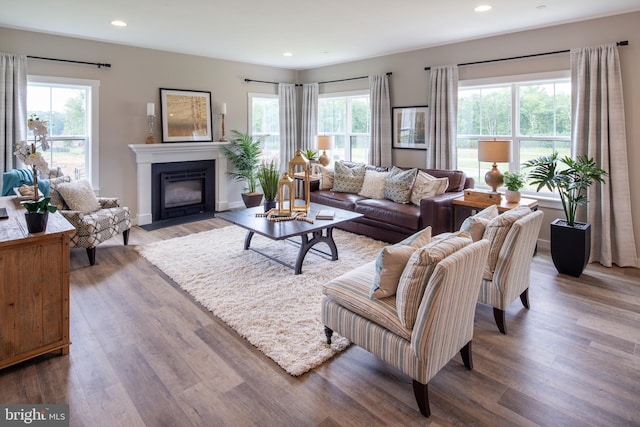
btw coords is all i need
(495, 151)
(325, 142)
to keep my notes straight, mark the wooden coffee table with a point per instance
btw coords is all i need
(321, 231)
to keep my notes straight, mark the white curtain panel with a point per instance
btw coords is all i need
(309, 115)
(287, 97)
(13, 105)
(597, 110)
(443, 117)
(380, 149)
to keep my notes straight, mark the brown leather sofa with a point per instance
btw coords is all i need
(392, 222)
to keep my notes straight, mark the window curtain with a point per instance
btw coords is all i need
(443, 116)
(380, 149)
(13, 105)
(597, 110)
(309, 116)
(287, 98)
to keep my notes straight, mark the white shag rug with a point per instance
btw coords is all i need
(276, 311)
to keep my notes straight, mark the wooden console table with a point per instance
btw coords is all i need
(34, 291)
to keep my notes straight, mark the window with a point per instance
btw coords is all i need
(70, 108)
(532, 111)
(264, 119)
(346, 116)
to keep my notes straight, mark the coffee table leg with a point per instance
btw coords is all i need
(307, 244)
(247, 240)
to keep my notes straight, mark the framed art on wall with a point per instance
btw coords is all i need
(186, 115)
(410, 127)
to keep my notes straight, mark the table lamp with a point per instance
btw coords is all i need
(496, 151)
(325, 142)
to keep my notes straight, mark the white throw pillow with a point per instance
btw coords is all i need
(476, 224)
(373, 185)
(326, 178)
(427, 185)
(79, 196)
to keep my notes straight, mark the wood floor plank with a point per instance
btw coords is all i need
(144, 353)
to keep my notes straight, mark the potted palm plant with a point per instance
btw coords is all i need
(514, 181)
(570, 240)
(268, 176)
(245, 152)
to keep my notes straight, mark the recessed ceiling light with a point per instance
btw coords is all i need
(542, 6)
(118, 23)
(483, 8)
(287, 54)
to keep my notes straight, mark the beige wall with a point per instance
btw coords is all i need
(136, 75)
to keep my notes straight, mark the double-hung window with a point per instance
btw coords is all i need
(70, 108)
(264, 119)
(346, 116)
(533, 111)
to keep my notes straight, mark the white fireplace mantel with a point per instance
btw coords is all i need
(148, 154)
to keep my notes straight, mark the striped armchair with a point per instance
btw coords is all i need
(417, 332)
(507, 273)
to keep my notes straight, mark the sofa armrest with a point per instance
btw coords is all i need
(437, 212)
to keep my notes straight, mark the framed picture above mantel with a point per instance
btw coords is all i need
(410, 127)
(186, 115)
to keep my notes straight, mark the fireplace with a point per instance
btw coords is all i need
(182, 188)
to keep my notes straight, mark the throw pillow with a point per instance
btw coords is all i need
(373, 184)
(326, 178)
(348, 180)
(397, 186)
(79, 196)
(391, 261)
(427, 185)
(56, 197)
(496, 232)
(417, 273)
(476, 224)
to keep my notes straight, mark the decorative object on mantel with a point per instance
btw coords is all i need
(37, 209)
(151, 117)
(223, 112)
(496, 151)
(299, 163)
(325, 142)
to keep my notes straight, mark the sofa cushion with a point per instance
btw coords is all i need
(426, 185)
(348, 179)
(79, 196)
(346, 201)
(398, 184)
(384, 210)
(496, 232)
(56, 197)
(476, 224)
(373, 185)
(418, 271)
(391, 261)
(456, 178)
(351, 290)
(326, 178)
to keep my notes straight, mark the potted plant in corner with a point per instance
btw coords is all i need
(514, 181)
(245, 152)
(268, 176)
(570, 240)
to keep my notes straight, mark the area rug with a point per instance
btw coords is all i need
(276, 311)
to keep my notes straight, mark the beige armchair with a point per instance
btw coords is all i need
(429, 320)
(95, 226)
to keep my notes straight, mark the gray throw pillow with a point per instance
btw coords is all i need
(398, 184)
(348, 180)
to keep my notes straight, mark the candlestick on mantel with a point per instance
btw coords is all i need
(223, 112)
(151, 115)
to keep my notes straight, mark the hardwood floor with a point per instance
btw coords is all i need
(144, 354)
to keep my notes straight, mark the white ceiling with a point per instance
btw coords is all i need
(317, 33)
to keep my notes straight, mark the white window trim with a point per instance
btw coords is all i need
(92, 157)
(346, 94)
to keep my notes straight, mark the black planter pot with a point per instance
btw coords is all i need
(269, 204)
(570, 246)
(251, 200)
(36, 222)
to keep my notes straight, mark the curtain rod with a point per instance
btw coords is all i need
(320, 83)
(533, 55)
(97, 64)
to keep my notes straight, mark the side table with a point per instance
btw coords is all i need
(463, 208)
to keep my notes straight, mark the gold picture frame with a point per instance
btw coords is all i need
(186, 115)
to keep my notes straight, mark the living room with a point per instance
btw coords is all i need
(133, 81)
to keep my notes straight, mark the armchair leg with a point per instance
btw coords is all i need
(91, 252)
(524, 297)
(499, 316)
(467, 357)
(328, 332)
(422, 397)
(125, 236)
